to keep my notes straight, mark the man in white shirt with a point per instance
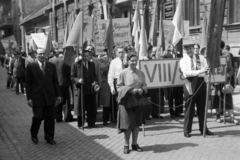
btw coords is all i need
(194, 68)
(116, 66)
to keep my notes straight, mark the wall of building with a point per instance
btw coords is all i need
(32, 6)
(58, 23)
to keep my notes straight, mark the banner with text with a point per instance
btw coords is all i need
(121, 33)
(164, 73)
(39, 39)
(10, 44)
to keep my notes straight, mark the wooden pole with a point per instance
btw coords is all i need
(206, 106)
(159, 111)
(113, 117)
(224, 107)
(215, 26)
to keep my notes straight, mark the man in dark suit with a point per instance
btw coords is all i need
(174, 92)
(63, 73)
(83, 75)
(19, 66)
(43, 94)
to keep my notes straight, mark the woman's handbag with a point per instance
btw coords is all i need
(227, 89)
(144, 104)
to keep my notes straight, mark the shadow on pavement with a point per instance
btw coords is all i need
(233, 133)
(168, 147)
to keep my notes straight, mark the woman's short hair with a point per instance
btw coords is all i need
(196, 44)
(85, 51)
(131, 54)
(227, 47)
(222, 44)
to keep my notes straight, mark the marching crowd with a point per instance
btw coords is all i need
(54, 89)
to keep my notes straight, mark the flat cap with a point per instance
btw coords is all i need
(188, 44)
(40, 50)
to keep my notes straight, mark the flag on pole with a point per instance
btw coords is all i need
(53, 7)
(74, 39)
(178, 24)
(136, 27)
(153, 30)
(216, 20)
(68, 27)
(48, 44)
(76, 34)
(143, 52)
(161, 39)
(109, 41)
(65, 6)
(204, 29)
(76, 4)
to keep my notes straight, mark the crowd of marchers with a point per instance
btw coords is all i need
(57, 91)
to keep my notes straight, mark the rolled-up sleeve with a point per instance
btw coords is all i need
(187, 72)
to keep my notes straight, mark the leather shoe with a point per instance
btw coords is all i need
(172, 116)
(208, 133)
(34, 139)
(126, 150)
(148, 118)
(187, 135)
(59, 120)
(135, 147)
(105, 123)
(179, 115)
(52, 142)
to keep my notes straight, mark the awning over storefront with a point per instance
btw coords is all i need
(122, 1)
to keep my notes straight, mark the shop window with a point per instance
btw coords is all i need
(192, 12)
(234, 11)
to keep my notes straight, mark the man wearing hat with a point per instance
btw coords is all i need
(194, 68)
(43, 94)
(19, 71)
(84, 77)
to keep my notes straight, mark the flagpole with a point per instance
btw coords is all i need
(81, 41)
(206, 105)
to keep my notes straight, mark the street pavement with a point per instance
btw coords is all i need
(163, 138)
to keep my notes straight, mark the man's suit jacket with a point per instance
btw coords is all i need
(42, 88)
(19, 67)
(63, 70)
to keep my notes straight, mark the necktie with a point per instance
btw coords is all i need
(86, 64)
(122, 65)
(192, 65)
(43, 68)
(198, 64)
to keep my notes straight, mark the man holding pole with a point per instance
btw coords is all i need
(194, 69)
(83, 75)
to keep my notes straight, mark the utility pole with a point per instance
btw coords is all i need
(23, 31)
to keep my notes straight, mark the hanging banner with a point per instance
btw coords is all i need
(165, 73)
(121, 33)
(10, 44)
(39, 39)
(87, 29)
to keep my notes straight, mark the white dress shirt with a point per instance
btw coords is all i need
(186, 66)
(116, 66)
